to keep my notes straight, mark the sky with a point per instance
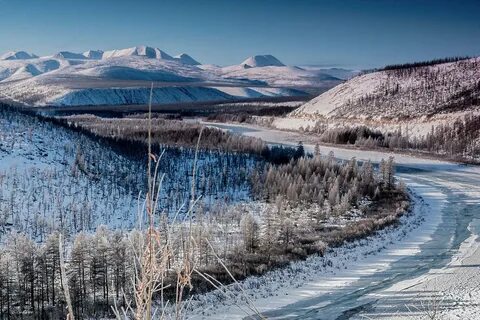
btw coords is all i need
(348, 33)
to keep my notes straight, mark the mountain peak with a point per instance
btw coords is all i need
(265, 60)
(186, 59)
(18, 55)
(69, 55)
(93, 54)
(144, 51)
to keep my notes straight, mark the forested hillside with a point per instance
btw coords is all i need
(429, 107)
(402, 92)
(56, 179)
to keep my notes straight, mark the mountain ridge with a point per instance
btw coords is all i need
(50, 79)
(17, 55)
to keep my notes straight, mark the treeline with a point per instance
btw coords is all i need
(334, 187)
(165, 132)
(459, 140)
(423, 63)
(130, 136)
(247, 116)
(464, 99)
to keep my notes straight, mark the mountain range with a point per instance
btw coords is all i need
(123, 76)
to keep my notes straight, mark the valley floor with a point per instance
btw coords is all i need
(426, 269)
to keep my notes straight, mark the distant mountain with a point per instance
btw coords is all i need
(93, 54)
(262, 61)
(278, 76)
(27, 71)
(186, 59)
(96, 76)
(17, 55)
(142, 51)
(269, 70)
(69, 55)
(340, 73)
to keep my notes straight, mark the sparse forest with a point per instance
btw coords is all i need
(56, 179)
(164, 133)
(459, 140)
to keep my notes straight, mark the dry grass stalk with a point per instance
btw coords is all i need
(63, 274)
(154, 254)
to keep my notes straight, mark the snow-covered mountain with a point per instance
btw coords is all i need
(266, 60)
(279, 76)
(69, 55)
(17, 55)
(124, 75)
(141, 51)
(93, 54)
(269, 70)
(186, 59)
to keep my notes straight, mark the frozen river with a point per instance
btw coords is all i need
(433, 270)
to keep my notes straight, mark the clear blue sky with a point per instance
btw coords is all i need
(346, 33)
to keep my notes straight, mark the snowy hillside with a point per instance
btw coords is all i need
(402, 93)
(124, 96)
(52, 178)
(417, 97)
(124, 75)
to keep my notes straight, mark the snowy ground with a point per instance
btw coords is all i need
(412, 272)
